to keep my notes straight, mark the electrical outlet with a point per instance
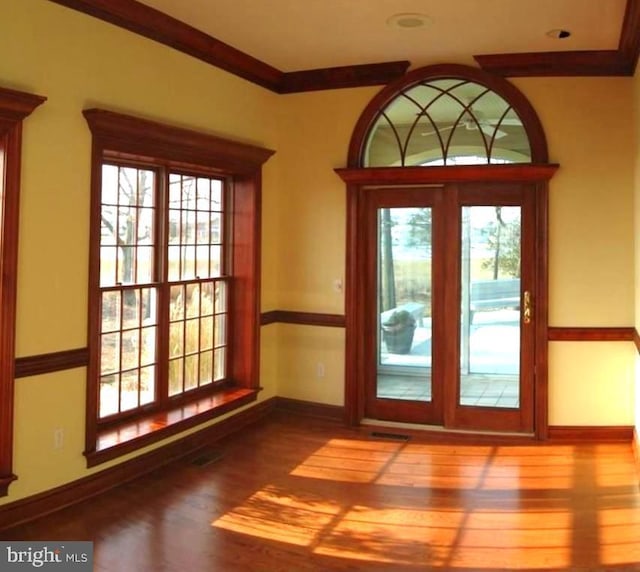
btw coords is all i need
(337, 285)
(58, 438)
(320, 370)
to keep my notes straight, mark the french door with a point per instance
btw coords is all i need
(449, 305)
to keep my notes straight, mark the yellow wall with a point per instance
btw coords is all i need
(79, 62)
(591, 258)
(591, 234)
(636, 148)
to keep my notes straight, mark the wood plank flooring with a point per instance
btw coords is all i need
(296, 494)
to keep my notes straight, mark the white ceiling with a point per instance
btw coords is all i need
(296, 35)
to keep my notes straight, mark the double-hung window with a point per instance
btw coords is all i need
(173, 304)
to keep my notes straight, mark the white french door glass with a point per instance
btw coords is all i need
(490, 306)
(404, 316)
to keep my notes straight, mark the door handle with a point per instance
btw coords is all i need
(528, 310)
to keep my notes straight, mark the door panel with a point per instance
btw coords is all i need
(402, 270)
(495, 379)
(448, 269)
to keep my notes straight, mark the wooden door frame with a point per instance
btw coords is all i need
(358, 181)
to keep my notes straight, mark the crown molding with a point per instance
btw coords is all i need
(160, 27)
(620, 62)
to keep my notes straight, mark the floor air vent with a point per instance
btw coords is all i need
(393, 436)
(207, 458)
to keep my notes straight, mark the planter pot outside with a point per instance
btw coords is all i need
(398, 340)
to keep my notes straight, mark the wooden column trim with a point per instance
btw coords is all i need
(15, 106)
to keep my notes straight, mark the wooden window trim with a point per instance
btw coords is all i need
(15, 106)
(119, 136)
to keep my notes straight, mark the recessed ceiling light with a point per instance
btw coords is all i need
(559, 34)
(409, 21)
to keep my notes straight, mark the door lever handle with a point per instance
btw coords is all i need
(528, 310)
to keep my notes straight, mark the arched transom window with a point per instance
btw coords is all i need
(446, 121)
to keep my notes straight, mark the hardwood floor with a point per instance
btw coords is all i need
(296, 494)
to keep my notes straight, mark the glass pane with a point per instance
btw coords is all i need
(147, 385)
(414, 128)
(490, 307)
(193, 300)
(130, 309)
(176, 339)
(220, 330)
(192, 341)
(130, 349)
(384, 149)
(404, 303)
(174, 262)
(108, 225)
(216, 259)
(219, 364)
(110, 353)
(195, 224)
(202, 261)
(206, 300)
(149, 308)
(206, 368)
(216, 228)
(175, 376)
(108, 255)
(109, 186)
(108, 395)
(148, 349)
(129, 390)
(512, 143)
(221, 297)
(110, 311)
(176, 303)
(191, 372)
(175, 226)
(206, 333)
(203, 193)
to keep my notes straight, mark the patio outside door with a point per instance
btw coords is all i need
(451, 303)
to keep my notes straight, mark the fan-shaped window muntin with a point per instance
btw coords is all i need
(437, 121)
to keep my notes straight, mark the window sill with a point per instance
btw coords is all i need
(128, 437)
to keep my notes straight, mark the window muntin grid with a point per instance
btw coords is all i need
(443, 120)
(195, 227)
(191, 256)
(198, 291)
(127, 218)
(197, 334)
(128, 349)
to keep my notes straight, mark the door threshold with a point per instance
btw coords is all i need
(445, 431)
